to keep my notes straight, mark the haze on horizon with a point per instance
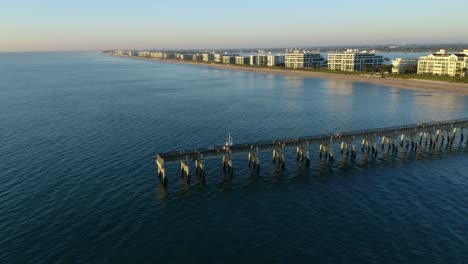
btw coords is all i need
(56, 25)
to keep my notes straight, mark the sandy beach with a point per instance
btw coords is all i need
(412, 84)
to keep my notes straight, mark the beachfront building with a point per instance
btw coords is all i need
(442, 63)
(253, 60)
(188, 57)
(143, 53)
(207, 57)
(167, 55)
(352, 60)
(299, 59)
(157, 55)
(179, 56)
(229, 59)
(241, 60)
(262, 60)
(217, 58)
(275, 60)
(400, 65)
(132, 53)
(197, 57)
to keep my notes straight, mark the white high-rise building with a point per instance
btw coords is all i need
(275, 60)
(217, 58)
(352, 60)
(403, 65)
(299, 59)
(444, 64)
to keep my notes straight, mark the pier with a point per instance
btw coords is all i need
(372, 141)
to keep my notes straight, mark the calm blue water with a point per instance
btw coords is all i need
(79, 133)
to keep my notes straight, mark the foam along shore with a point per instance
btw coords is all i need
(412, 84)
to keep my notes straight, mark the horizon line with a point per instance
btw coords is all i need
(245, 48)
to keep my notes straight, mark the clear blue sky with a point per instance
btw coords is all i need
(27, 25)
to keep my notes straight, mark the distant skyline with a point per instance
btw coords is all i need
(53, 25)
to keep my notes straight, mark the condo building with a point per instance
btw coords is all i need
(197, 57)
(217, 58)
(275, 60)
(299, 59)
(180, 56)
(143, 54)
(442, 63)
(262, 60)
(352, 60)
(207, 57)
(253, 60)
(168, 55)
(229, 59)
(403, 65)
(156, 54)
(242, 60)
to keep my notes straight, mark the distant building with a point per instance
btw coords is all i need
(262, 60)
(217, 58)
(241, 60)
(197, 57)
(229, 59)
(299, 59)
(253, 60)
(179, 56)
(207, 57)
(188, 57)
(352, 60)
(403, 65)
(444, 64)
(143, 54)
(156, 55)
(275, 60)
(168, 55)
(132, 53)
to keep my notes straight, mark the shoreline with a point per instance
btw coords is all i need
(392, 82)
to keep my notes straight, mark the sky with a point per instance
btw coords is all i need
(56, 25)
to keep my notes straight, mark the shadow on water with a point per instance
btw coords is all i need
(254, 178)
(200, 182)
(185, 188)
(324, 168)
(226, 184)
(276, 173)
(162, 193)
(301, 172)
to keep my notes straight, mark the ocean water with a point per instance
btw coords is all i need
(79, 133)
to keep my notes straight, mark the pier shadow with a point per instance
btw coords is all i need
(162, 193)
(226, 184)
(324, 167)
(276, 172)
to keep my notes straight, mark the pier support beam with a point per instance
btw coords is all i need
(302, 154)
(254, 159)
(461, 136)
(453, 135)
(161, 170)
(227, 163)
(279, 153)
(199, 168)
(185, 170)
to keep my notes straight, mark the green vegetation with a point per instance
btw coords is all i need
(431, 78)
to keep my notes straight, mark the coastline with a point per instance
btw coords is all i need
(410, 84)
